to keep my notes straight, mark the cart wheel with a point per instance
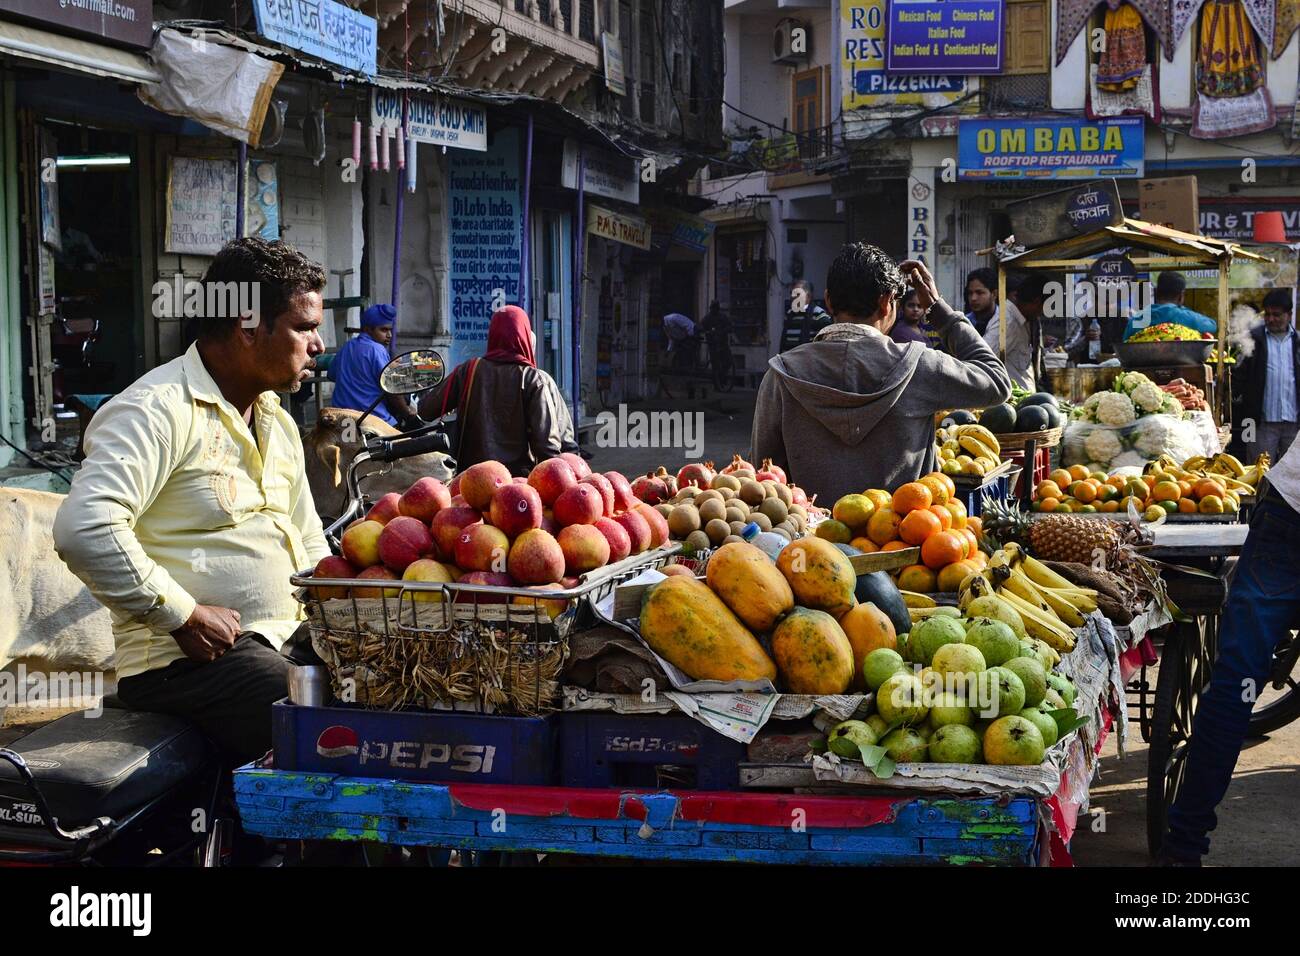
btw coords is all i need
(1277, 708)
(1184, 673)
(1143, 688)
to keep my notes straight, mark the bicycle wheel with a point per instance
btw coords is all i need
(1276, 708)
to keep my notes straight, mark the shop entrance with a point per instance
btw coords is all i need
(86, 316)
(552, 294)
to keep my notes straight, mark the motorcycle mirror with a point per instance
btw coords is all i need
(412, 372)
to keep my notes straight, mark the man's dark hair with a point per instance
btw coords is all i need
(275, 269)
(1169, 286)
(1278, 299)
(859, 276)
(985, 277)
(1030, 288)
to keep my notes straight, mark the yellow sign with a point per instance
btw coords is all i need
(632, 230)
(866, 83)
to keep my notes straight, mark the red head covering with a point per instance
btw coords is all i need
(510, 337)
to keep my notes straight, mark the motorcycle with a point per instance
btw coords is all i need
(122, 788)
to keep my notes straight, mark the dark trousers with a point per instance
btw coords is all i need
(229, 699)
(1263, 606)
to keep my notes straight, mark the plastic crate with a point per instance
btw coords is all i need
(999, 487)
(605, 749)
(1042, 468)
(438, 746)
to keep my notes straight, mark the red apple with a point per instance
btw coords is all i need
(600, 482)
(498, 579)
(479, 482)
(584, 547)
(424, 499)
(360, 543)
(638, 530)
(385, 509)
(579, 464)
(331, 566)
(381, 572)
(620, 542)
(447, 526)
(581, 504)
(403, 541)
(536, 558)
(658, 525)
(623, 496)
(482, 547)
(552, 478)
(515, 509)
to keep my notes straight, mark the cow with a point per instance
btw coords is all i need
(328, 450)
(49, 621)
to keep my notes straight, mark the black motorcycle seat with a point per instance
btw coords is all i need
(105, 766)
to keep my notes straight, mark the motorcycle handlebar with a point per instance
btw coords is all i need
(407, 447)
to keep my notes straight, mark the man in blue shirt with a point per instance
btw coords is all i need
(1169, 307)
(1266, 383)
(355, 370)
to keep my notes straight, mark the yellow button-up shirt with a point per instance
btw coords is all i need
(177, 504)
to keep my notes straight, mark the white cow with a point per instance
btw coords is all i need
(48, 619)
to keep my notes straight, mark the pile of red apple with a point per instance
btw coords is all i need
(490, 528)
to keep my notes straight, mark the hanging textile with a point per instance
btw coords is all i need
(1227, 57)
(1142, 98)
(1263, 14)
(1124, 59)
(1072, 15)
(1216, 117)
(1181, 15)
(1285, 24)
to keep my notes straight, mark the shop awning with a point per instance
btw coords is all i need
(69, 53)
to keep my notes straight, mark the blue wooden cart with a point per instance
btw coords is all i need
(687, 826)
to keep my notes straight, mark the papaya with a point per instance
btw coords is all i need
(749, 583)
(819, 574)
(812, 653)
(879, 588)
(688, 625)
(868, 628)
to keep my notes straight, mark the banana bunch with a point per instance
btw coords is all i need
(915, 600)
(919, 614)
(973, 450)
(1222, 467)
(1048, 605)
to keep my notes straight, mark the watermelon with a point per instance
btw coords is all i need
(1039, 398)
(1032, 418)
(879, 588)
(999, 418)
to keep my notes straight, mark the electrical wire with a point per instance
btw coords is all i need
(36, 461)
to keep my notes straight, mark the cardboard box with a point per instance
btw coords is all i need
(1171, 202)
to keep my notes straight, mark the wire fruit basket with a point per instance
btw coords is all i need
(436, 646)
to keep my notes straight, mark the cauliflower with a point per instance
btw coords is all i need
(1102, 444)
(1160, 434)
(1115, 408)
(1147, 397)
(1130, 459)
(1126, 382)
(1087, 412)
(1171, 406)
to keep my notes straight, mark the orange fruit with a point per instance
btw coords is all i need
(912, 497)
(1061, 477)
(1078, 472)
(1084, 491)
(974, 548)
(1185, 487)
(1166, 491)
(1106, 492)
(865, 545)
(880, 498)
(918, 525)
(895, 545)
(976, 525)
(1186, 506)
(1111, 507)
(1117, 482)
(1206, 487)
(950, 577)
(1135, 501)
(1047, 505)
(981, 560)
(1137, 489)
(943, 514)
(958, 512)
(1210, 505)
(883, 526)
(946, 547)
(1047, 489)
(947, 483)
(938, 490)
(1150, 481)
(918, 578)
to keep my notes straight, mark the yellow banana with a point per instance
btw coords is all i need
(980, 432)
(925, 613)
(1047, 628)
(1023, 588)
(912, 599)
(976, 447)
(1062, 608)
(974, 586)
(1045, 577)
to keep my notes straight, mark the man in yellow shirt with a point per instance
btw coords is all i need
(191, 509)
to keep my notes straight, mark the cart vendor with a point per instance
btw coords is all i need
(854, 409)
(1168, 308)
(192, 509)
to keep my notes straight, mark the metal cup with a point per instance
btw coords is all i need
(309, 686)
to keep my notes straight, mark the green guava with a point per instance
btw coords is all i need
(958, 659)
(1000, 693)
(1031, 674)
(995, 640)
(880, 665)
(955, 743)
(932, 634)
(850, 735)
(904, 745)
(950, 708)
(1013, 742)
(900, 700)
(1045, 723)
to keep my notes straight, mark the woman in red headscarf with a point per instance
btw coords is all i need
(507, 408)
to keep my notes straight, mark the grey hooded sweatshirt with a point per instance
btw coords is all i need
(854, 409)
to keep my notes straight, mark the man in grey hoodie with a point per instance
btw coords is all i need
(853, 409)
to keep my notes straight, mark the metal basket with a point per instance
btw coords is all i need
(433, 645)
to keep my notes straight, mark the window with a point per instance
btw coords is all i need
(1025, 46)
(628, 104)
(806, 111)
(587, 20)
(648, 75)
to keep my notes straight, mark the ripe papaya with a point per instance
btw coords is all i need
(749, 583)
(812, 653)
(688, 625)
(819, 574)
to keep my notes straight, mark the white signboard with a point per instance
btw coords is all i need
(614, 77)
(430, 118)
(201, 201)
(605, 174)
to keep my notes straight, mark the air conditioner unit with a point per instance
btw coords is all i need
(791, 42)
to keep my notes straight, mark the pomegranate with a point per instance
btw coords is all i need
(775, 472)
(651, 489)
(798, 496)
(699, 474)
(670, 481)
(737, 463)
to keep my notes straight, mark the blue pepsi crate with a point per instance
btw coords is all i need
(998, 487)
(605, 749)
(436, 746)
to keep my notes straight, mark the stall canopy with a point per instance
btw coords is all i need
(32, 43)
(1166, 248)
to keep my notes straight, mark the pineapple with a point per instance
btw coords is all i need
(1073, 538)
(1003, 522)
